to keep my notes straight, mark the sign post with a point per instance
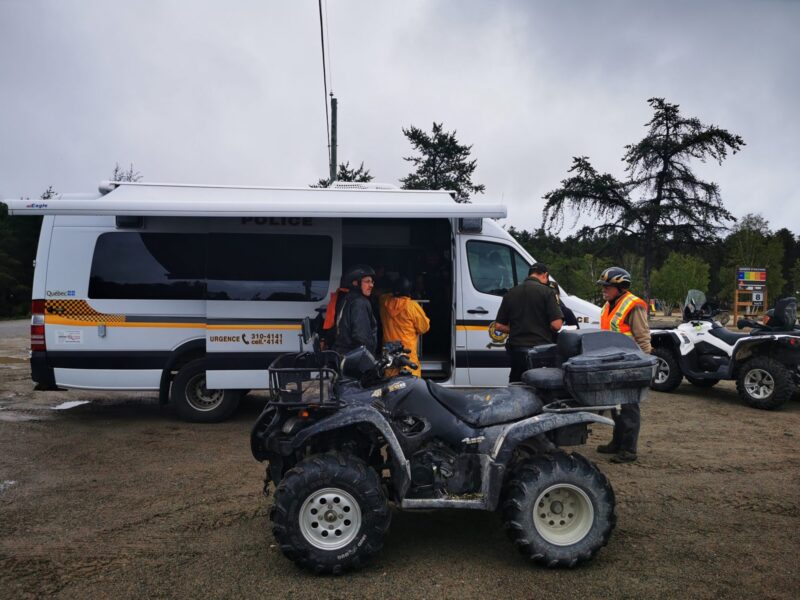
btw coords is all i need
(751, 283)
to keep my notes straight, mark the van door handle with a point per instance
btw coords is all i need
(478, 311)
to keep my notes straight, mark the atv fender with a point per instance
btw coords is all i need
(669, 339)
(528, 428)
(356, 415)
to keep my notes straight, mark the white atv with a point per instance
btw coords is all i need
(764, 362)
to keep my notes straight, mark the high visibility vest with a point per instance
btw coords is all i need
(617, 319)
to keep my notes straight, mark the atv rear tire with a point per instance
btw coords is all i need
(668, 372)
(329, 514)
(559, 509)
(703, 383)
(194, 401)
(764, 383)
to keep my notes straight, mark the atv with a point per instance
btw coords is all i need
(764, 362)
(343, 440)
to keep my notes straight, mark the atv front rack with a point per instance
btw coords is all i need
(304, 378)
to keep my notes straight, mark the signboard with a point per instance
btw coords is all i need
(758, 297)
(751, 278)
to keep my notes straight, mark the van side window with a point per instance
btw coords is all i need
(148, 266)
(495, 268)
(251, 266)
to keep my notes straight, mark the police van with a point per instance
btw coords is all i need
(192, 290)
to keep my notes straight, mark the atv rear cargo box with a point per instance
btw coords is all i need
(608, 378)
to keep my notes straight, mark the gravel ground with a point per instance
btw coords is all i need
(117, 498)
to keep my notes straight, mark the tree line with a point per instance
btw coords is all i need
(669, 228)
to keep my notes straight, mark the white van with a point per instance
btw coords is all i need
(193, 290)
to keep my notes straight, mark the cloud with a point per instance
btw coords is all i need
(205, 92)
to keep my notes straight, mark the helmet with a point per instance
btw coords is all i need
(356, 273)
(615, 276)
(401, 286)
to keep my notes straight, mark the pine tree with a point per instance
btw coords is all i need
(347, 173)
(661, 203)
(443, 163)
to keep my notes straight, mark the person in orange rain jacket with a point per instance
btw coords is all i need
(403, 320)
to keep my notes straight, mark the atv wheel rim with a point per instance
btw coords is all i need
(662, 370)
(563, 514)
(759, 384)
(330, 519)
(199, 397)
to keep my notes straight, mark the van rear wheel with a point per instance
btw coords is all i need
(195, 402)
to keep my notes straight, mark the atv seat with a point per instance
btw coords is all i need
(491, 406)
(729, 337)
(545, 378)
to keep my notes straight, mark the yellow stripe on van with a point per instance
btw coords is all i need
(246, 326)
(59, 320)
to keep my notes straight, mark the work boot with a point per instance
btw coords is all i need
(624, 456)
(610, 448)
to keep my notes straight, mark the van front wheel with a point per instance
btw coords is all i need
(195, 402)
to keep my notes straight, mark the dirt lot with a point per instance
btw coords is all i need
(117, 498)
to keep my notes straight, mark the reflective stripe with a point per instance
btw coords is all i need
(618, 320)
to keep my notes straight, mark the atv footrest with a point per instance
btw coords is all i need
(424, 503)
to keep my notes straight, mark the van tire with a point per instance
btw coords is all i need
(196, 403)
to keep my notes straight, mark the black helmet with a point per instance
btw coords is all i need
(357, 273)
(616, 276)
(401, 286)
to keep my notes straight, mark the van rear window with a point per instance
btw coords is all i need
(148, 266)
(215, 266)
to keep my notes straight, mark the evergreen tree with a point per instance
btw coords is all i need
(19, 237)
(121, 174)
(661, 203)
(443, 163)
(347, 173)
(751, 244)
(679, 274)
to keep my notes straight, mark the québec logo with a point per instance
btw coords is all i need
(60, 293)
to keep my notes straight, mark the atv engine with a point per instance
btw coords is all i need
(437, 472)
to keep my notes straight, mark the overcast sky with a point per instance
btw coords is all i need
(231, 92)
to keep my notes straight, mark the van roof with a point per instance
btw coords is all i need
(191, 200)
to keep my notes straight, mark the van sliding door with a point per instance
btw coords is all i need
(264, 276)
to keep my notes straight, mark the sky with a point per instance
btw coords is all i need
(201, 91)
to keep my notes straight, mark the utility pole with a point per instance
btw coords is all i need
(333, 138)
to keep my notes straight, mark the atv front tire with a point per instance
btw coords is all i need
(764, 383)
(668, 372)
(559, 509)
(329, 513)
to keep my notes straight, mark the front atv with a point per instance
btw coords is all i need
(343, 441)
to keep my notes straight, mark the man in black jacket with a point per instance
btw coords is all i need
(530, 315)
(356, 325)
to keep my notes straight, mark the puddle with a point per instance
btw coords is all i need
(11, 360)
(15, 417)
(70, 404)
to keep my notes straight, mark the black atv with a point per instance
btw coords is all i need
(342, 441)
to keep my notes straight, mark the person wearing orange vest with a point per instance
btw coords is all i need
(627, 314)
(403, 320)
